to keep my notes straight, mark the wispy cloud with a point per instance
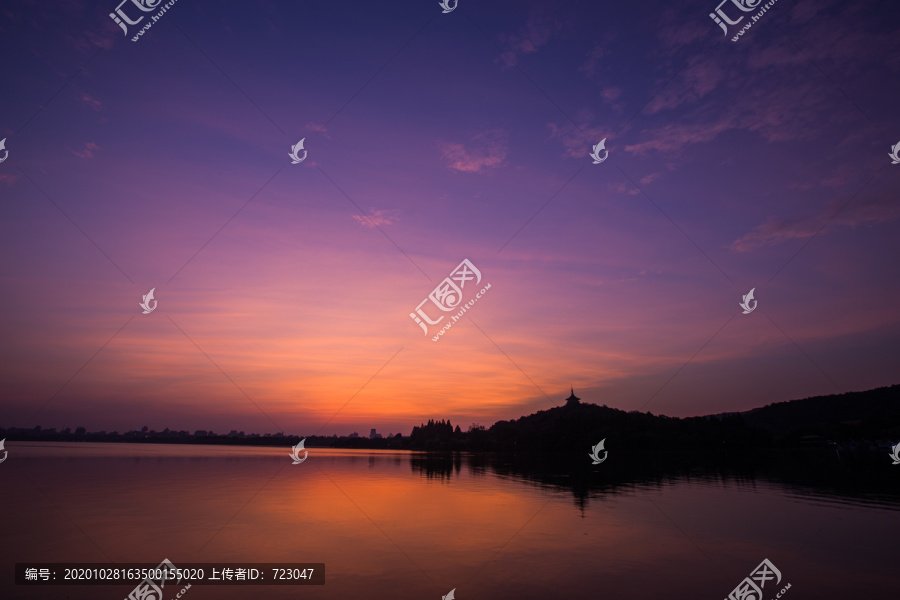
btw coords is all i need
(648, 179)
(318, 128)
(485, 150)
(775, 231)
(594, 59)
(772, 75)
(624, 188)
(541, 25)
(92, 102)
(103, 40)
(377, 218)
(676, 136)
(610, 94)
(88, 151)
(577, 142)
(702, 77)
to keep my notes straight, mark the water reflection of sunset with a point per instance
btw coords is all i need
(380, 523)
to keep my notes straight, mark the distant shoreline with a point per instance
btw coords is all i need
(852, 421)
(392, 443)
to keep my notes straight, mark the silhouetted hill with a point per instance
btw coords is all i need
(568, 428)
(577, 427)
(870, 415)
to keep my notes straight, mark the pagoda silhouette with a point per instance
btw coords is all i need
(573, 400)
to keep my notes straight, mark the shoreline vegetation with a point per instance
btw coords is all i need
(849, 422)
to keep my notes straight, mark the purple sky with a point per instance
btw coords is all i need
(284, 291)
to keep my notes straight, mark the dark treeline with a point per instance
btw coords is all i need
(851, 421)
(38, 434)
(576, 427)
(870, 415)
(854, 420)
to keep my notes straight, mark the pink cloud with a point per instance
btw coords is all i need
(577, 141)
(610, 94)
(377, 218)
(483, 151)
(104, 40)
(624, 188)
(698, 80)
(675, 136)
(593, 59)
(698, 87)
(775, 231)
(88, 151)
(92, 102)
(762, 114)
(677, 32)
(318, 128)
(541, 25)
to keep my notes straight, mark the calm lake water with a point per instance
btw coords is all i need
(397, 525)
